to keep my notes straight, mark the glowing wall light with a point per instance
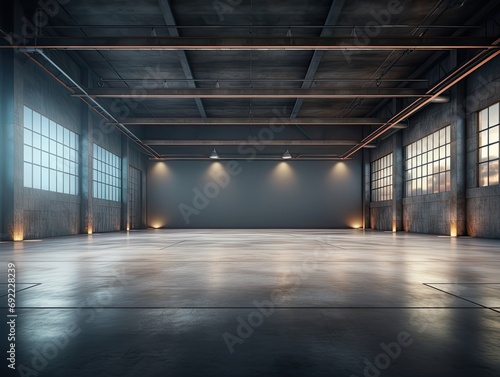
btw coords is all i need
(17, 230)
(453, 230)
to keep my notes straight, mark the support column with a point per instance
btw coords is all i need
(125, 223)
(366, 188)
(397, 182)
(86, 161)
(7, 143)
(458, 163)
(11, 131)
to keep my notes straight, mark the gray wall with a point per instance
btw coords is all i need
(264, 194)
(477, 213)
(29, 213)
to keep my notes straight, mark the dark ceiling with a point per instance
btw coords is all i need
(250, 89)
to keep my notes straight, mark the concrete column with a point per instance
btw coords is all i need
(458, 163)
(397, 182)
(6, 143)
(125, 223)
(366, 181)
(12, 130)
(86, 160)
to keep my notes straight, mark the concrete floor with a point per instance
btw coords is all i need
(185, 303)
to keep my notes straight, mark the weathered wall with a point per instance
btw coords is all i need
(467, 209)
(264, 194)
(30, 213)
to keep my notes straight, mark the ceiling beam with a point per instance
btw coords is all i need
(331, 20)
(267, 143)
(256, 121)
(252, 43)
(176, 93)
(168, 15)
(445, 84)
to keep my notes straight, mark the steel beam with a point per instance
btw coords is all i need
(330, 93)
(168, 15)
(218, 143)
(252, 43)
(331, 19)
(445, 84)
(255, 121)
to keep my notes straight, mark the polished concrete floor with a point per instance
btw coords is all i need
(255, 303)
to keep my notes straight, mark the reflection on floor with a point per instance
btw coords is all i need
(256, 303)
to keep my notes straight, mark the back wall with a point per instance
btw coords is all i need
(256, 194)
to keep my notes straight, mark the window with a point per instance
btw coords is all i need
(50, 155)
(381, 181)
(107, 175)
(427, 169)
(488, 145)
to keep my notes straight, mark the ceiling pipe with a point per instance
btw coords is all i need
(325, 93)
(448, 82)
(217, 143)
(148, 43)
(120, 126)
(158, 121)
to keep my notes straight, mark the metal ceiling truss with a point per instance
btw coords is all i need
(326, 93)
(447, 83)
(252, 43)
(256, 121)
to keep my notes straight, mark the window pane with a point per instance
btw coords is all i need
(483, 175)
(45, 144)
(28, 154)
(483, 120)
(53, 180)
(435, 183)
(483, 154)
(493, 173)
(493, 114)
(37, 156)
(28, 137)
(37, 177)
(28, 174)
(37, 140)
(66, 183)
(45, 126)
(60, 182)
(53, 147)
(45, 159)
(36, 122)
(60, 134)
(493, 151)
(493, 135)
(45, 179)
(53, 130)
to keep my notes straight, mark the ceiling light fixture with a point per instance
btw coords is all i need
(286, 155)
(214, 154)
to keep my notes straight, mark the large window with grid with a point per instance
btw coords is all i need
(381, 179)
(427, 169)
(489, 145)
(107, 175)
(50, 155)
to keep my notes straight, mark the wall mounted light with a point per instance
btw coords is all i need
(214, 154)
(286, 155)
